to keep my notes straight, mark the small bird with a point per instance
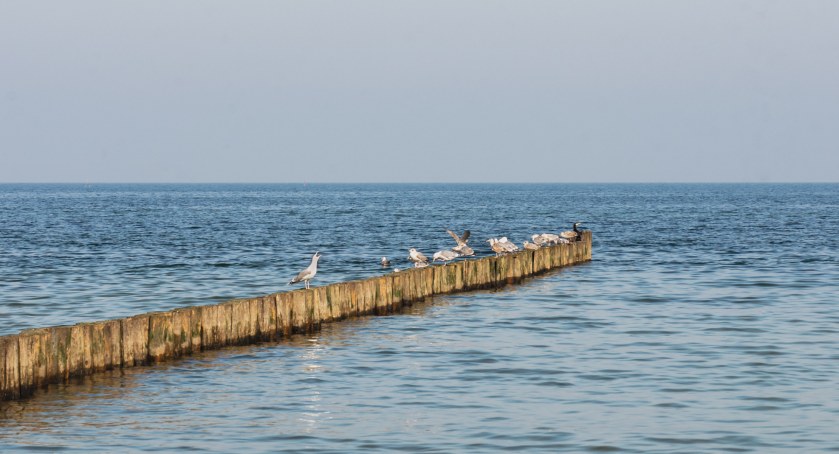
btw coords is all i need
(385, 262)
(307, 274)
(417, 257)
(444, 256)
(572, 235)
(530, 246)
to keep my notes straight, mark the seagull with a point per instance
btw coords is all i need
(461, 247)
(445, 256)
(530, 246)
(417, 257)
(307, 274)
(385, 262)
(497, 248)
(572, 235)
(508, 245)
(545, 238)
(538, 239)
(502, 246)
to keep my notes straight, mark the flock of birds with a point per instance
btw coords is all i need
(500, 246)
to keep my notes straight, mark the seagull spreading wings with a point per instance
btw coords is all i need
(461, 247)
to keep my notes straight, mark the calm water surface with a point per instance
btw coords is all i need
(706, 322)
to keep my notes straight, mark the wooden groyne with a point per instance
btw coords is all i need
(35, 358)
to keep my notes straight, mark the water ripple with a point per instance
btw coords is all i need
(671, 340)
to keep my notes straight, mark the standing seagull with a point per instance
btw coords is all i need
(417, 257)
(307, 274)
(531, 246)
(385, 262)
(445, 256)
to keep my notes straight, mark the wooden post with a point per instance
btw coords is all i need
(266, 318)
(9, 368)
(323, 313)
(335, 299)
(243, 323)
(384, 305)
(135, 340)
(95, 347)
(212, 327)
(34, 357)
(186, 329)
(284, 313)
(161, 338)
(301, 314)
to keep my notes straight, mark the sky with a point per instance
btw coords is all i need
(419, 91)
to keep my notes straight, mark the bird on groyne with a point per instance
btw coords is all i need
(573, 235)
(385, 262)
(307, 274)
(543, 239)
(502, 246)
(417, 257)
(444, 256)
(508, 245)
(530, 246)
(462, 248)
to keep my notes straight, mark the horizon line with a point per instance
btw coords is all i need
(395, 183)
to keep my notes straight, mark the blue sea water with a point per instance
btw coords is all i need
(706, 321)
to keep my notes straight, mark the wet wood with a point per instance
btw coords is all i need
(266, 318)
(135, 340)
(9, 371)
(161, 337)
(36, 358)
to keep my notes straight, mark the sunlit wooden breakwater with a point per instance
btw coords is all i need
(35, 358)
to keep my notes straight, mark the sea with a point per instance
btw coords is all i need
(707, 320)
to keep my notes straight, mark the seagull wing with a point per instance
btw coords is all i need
(301, 275)
(459, 241)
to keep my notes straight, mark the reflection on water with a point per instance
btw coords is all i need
(692, 330)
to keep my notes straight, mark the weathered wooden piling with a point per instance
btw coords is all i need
(35, 358)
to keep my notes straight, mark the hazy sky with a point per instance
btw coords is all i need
(406, 91)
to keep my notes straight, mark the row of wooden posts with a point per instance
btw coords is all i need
(35, 358)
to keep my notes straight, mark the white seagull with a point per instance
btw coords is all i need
(307, 274)
(531, 246)
(502, 245)
(417, 257)
(445, 256)
(385, 262)
(462, 248)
